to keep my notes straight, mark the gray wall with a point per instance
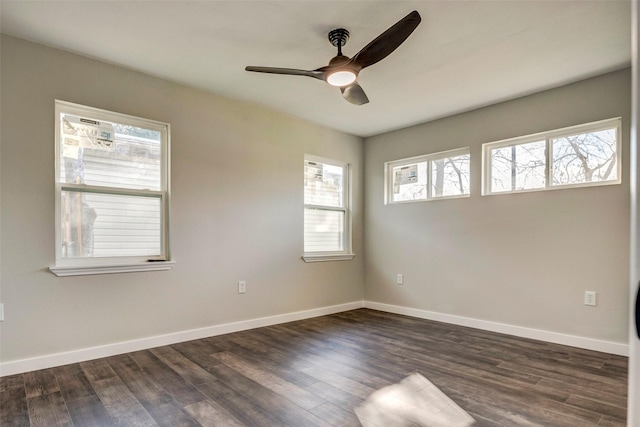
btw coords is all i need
(517, 259)
(236, 211)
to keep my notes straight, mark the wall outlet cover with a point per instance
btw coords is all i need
(590, 298)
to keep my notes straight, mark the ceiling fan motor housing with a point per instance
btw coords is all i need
(338, 37)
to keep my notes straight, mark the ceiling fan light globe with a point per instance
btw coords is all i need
(341, 78)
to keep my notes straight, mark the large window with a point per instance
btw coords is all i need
(327, 223)
(428, 177)
(577, 156)
(112, 192)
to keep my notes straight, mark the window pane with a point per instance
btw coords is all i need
(409, 182)
(450, 176)
(323, 184)
(103, 225)
(323, 230)
(109, 154)
(518, 167)
(587, 157)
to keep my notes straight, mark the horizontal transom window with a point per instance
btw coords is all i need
(428, 177)
(577, 156)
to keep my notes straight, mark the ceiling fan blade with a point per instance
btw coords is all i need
(316, 74)
(387, 42)
(354, 94)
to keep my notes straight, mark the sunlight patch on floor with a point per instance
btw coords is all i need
(414, 401)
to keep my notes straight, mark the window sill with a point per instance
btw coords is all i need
(332, 257)
(107, 269)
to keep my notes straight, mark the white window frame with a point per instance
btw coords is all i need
(614, 123)
(428, 158)
(123, 264)
(345, 254)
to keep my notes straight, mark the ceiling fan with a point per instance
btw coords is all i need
(342, 71)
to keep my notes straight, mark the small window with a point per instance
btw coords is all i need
(112, 182)
(429, 177)
(577, 156)
(518, 167)
(327, 223)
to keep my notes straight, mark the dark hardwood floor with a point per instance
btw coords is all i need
(315, 372)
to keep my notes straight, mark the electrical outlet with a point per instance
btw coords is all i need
(400, 279)
(1, 312)
(589, 298)
(242, 287)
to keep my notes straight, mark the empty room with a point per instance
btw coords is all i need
(319, 213)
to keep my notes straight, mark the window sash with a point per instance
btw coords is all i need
(119, 225)
(317, 189)
(534, 179)
(593, 171)
(413, 175)
(331, 236)
(464, 175)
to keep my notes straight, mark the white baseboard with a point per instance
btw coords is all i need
(554, 337)
(81, 355)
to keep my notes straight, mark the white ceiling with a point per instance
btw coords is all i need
(464, 54)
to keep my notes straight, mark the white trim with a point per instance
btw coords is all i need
(323, 257)
(81, 355)
(63, 271)
(96, 189)
(621, 349)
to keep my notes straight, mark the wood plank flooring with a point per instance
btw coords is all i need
(314, 372)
